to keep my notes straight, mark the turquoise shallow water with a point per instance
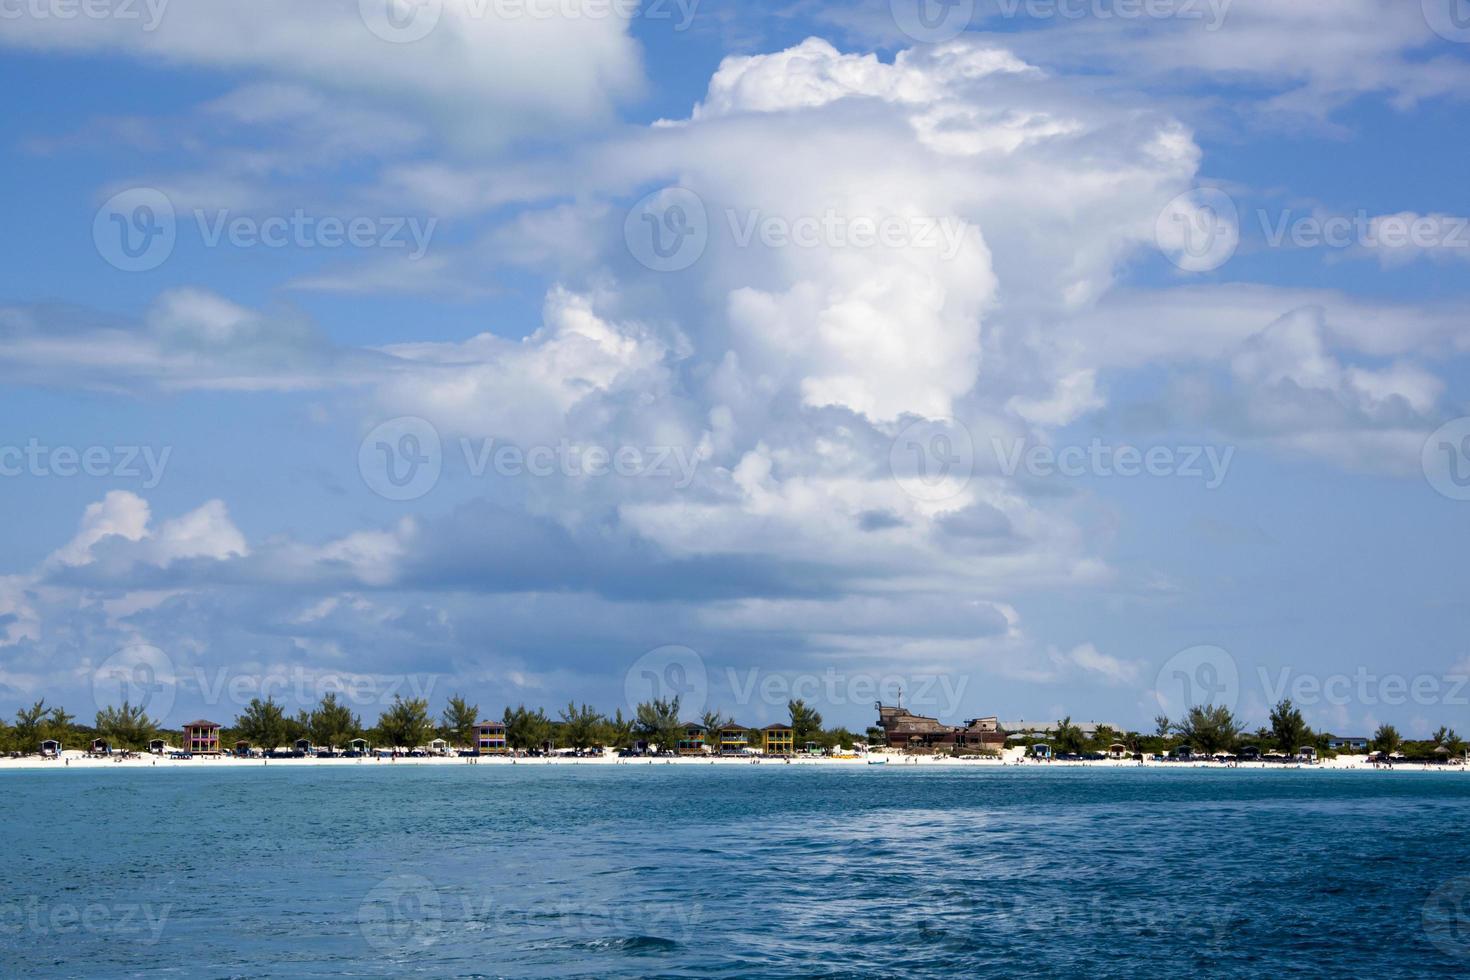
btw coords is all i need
(636, 871)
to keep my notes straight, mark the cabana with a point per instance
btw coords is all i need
(157, 746)
(50, 748)
(1307, 753)
(692, 741)
(202, 736)
(439, 747)
(100, 747)
(304, 746)
(1250, 754)
(358, 745)
(1117, 750)
(1041, 751)
(733, 739)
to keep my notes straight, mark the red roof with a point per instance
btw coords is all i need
(201, 723)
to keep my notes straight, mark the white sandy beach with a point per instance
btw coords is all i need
(79, 760)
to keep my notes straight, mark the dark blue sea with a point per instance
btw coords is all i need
(732, 871)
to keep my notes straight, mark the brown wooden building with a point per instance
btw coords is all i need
(920, 733)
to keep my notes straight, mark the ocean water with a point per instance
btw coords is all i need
(732, 871)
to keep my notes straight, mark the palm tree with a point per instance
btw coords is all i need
(805, 722)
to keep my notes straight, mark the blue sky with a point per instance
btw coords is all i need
(1055, 279)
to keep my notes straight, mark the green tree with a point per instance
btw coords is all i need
(1387, 739)
(876, 736)
(459, 720)
(806, 723)
(126, 726)
(657, 722)
(332, 724)
(28, 725)
(713, 721)
(1162, 726)
(1289, 730)
(527, 729)
(298, 727)
(581, 726)
(617, 731)
(262, 724)
(1209, 730)
(1068, 737)
(406, 723)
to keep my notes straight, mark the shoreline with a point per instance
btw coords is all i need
(79, 760)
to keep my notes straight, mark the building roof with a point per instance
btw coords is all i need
(201, 723)
(777, 727)
(489, 724)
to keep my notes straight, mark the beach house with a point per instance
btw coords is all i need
(202, 736)
(157, 746)
(1338, 743)
(779, 739)
(490, 738)
(100, 747)
(692, 740)
(733, 739)
(50, 747)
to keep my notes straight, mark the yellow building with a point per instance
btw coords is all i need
(779, 740)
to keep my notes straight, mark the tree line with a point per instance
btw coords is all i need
(407, 723)
(1212, 729)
